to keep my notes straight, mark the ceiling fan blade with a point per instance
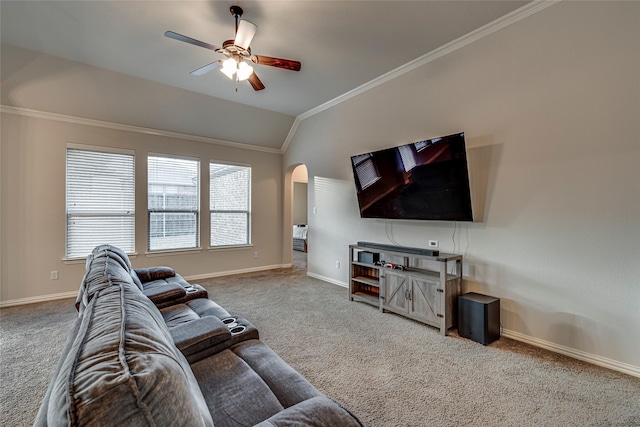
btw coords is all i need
(276, 62)
(209, 67)
(189, 40)
(255, 81)
(245, 33)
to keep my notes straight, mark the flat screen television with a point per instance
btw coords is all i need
(425, 180)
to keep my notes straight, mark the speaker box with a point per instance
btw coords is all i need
(479, 317)
(368, 257)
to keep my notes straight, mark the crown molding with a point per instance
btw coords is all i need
(130, 128)
(484, 31)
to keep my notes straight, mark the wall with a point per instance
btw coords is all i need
(550, 106)
(33, 205)
(300, 180)
(299, 203)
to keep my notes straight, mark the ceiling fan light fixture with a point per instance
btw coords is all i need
(244, 71)
(229, 67)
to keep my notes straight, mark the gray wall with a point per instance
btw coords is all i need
(550, 106)
(33, 205)
(299, 202)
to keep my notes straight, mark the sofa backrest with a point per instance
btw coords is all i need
(104, 261)
(120, 365)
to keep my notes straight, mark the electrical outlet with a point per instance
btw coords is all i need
(54, 275)
(433, 243)
(255, 254)
(338, 264)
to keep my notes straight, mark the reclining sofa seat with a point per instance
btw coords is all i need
(120, 366)
(162, 285)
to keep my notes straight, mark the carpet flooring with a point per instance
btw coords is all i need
(388, 370)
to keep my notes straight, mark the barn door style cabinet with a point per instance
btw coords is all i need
(426, 289)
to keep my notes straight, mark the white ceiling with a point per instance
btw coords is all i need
(341, 44)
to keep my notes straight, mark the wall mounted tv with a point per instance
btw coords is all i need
(426, 180)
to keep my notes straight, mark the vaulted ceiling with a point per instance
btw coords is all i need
(342, 45)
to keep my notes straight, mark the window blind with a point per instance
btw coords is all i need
(365, 170)
(229, 204)
(173, 203)
(100, 201)
(408, 159)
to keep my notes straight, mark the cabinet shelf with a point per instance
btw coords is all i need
(368, 280)
(370, 298)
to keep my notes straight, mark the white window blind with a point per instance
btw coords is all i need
(408, 159)
(100, 201)
(230, 204)
(173, 203)
(365, 170)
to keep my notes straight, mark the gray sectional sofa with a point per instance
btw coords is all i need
(189, 362)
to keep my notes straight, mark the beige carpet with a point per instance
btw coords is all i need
(388, 370)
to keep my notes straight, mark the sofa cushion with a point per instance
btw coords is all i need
(236, 395)
(207, 307)
(123, 369)
(318, 411)
(285, 383)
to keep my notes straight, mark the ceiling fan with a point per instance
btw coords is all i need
(237, 53)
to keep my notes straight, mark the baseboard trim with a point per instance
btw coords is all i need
(594, 359)
(328, 279)
(234, 272)
(41, 298)
(73, 294)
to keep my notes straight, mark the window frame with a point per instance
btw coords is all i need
(360, 163)
(247, 212)
(69, 256)
(196, 212)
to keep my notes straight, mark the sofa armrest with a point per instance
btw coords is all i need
(154, 273)
(161, 291)
(207, 332)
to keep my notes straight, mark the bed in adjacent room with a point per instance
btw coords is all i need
(300, 237)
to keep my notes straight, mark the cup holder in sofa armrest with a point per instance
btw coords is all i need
(234, 327)
(240, 328)
(205, 333)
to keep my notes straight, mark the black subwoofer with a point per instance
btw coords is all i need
(479, 317)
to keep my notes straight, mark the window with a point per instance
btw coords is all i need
(365, 170)
(230, 204)
(408, 159)
(100, 200)
(173, 203)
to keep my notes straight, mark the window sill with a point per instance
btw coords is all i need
(165, 252)
(229, 248)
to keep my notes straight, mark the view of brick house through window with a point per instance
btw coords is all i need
(230, 204)
(173, 203)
